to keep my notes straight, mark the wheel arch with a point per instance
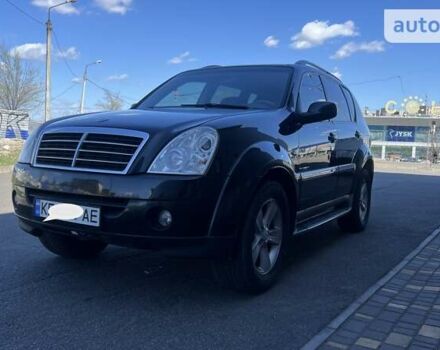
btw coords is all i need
(369, 166)
(364, 160)
(284, 178)
(259, 163)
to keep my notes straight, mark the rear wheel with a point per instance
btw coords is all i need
(357, 219)
(257, 263)
(71, 247)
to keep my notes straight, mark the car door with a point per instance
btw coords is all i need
(316, 143)
(347, 140)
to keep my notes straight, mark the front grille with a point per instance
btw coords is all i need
(90, 151)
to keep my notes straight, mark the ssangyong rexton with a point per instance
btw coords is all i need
(219, 162)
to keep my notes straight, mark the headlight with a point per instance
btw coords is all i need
(189, 153)
(28, 147)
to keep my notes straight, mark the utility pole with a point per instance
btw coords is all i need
(48, 59)
(83, 93)
(48, 68)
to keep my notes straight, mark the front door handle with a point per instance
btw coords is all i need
(357, 134)
(332, 137)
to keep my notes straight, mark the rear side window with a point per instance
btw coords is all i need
(311, 90)
(334, 94)
(350, 102)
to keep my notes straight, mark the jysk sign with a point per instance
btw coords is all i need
(401, 133)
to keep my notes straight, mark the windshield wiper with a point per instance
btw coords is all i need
(215, 105)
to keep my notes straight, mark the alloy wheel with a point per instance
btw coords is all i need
(268, 236)
(363, 202)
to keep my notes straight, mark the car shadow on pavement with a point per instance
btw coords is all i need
(122, 269)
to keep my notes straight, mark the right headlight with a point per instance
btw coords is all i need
(189, 153)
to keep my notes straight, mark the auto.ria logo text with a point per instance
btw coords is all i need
(412, 26)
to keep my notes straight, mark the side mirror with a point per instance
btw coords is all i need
(318, 111)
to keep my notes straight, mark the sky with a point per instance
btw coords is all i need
(142, 43)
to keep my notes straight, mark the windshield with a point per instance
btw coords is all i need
(233, 87)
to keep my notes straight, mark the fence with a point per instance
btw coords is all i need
(14, 125)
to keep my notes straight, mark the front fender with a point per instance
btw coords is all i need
(242, 181)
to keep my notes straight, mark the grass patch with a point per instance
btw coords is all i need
(9, 159)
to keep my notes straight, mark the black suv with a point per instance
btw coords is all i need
(219, 162)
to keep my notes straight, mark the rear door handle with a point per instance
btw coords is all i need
(357, 134)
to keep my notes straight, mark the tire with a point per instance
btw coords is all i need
(71, 247)
(261, 244)
(357, 219)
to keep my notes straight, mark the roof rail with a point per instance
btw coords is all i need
(310, 64)
(212, 66)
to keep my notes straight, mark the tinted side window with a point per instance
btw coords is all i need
(350, 102)
(359, 114)
(311, 90)
(334, 94)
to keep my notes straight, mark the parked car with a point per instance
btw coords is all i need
(408, 160)
(220, 162)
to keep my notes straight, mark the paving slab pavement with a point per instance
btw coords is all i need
(401, 311)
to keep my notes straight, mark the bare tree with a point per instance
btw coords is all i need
(111, 102)
(20, 83)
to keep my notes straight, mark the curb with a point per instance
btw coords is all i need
(320, 338)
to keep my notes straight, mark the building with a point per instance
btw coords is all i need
(412, 131)
(403, 137)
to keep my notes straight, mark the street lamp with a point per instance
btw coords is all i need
(83, 94)
(48, 58)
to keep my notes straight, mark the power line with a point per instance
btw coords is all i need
(65, 91)
(381, 80)
(66, 63)
(374, 80)
(24, 12)
(124, 98)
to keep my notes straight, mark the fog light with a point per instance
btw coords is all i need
(165, 218)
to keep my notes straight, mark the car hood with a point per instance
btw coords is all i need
(151, 121)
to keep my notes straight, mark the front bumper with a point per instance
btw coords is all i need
(129, 208)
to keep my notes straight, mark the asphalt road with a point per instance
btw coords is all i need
(136, 299)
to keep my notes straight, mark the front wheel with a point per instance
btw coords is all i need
(357, 219)
(261, 245)
(71, 247)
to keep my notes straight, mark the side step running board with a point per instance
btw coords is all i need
(320, 220)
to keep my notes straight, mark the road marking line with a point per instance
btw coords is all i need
(327, 331)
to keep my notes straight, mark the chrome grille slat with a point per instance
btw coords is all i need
(99, 161)
(49, 157)
(103, 150)
(106, 152)
(111, 143)
(57, 149)
(61, 140)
